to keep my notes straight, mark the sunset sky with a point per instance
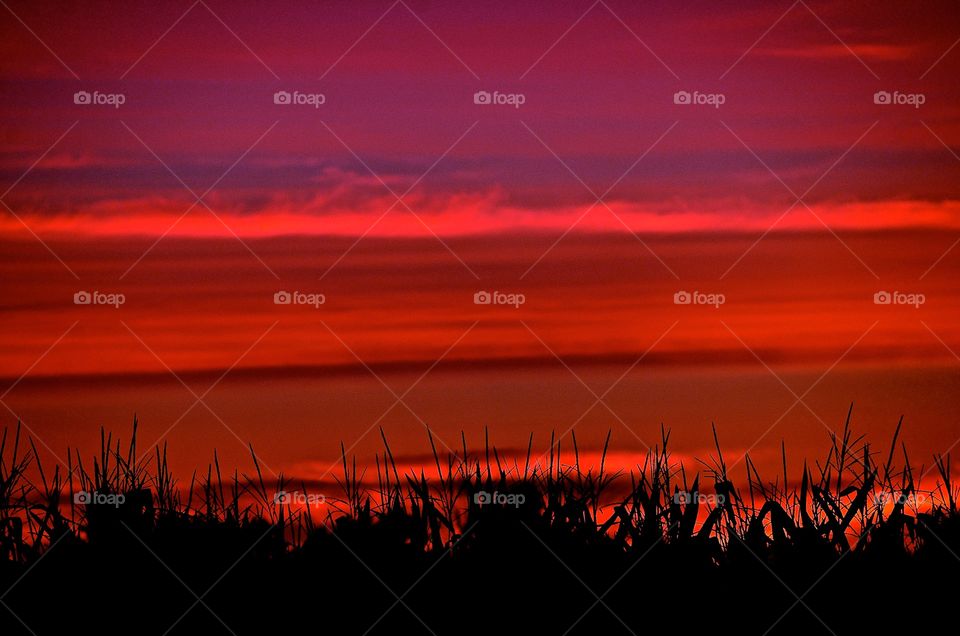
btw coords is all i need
(796, 192)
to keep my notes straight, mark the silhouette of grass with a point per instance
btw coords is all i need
(546, 546)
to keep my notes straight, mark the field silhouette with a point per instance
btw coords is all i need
(851, 544)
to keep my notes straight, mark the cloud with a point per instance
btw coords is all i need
(354, 210)
(878, 51)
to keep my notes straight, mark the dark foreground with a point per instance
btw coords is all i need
(480, 548)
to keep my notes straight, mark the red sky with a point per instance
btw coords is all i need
(398, 198)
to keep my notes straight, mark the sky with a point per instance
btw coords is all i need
(786, 167)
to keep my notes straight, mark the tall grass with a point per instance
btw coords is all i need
(855, 499)
(571, 548)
